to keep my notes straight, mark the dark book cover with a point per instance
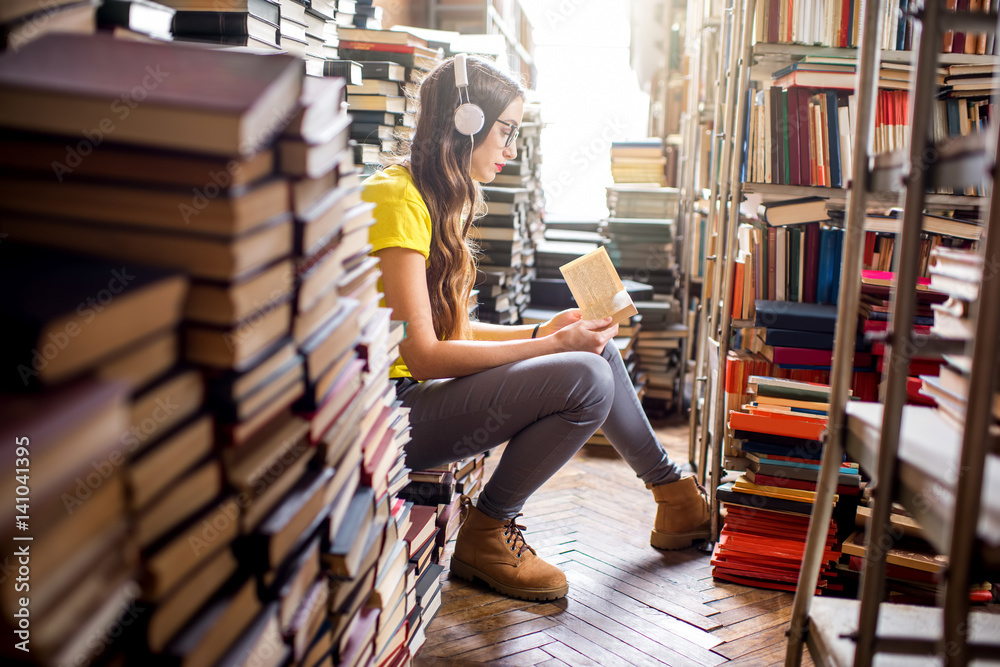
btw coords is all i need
(800, 129)
(727, 494)
(833, 123)
(811, 238)
(819, 318)
(59, 321)
(350, 70)
(799, 451)
(779, 440)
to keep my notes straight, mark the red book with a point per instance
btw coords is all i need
(738, 279)
(877, 325)
(777, 424)
(802, 356)
(391, 48)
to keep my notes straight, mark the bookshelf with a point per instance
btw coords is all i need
(747, 61)
(490, 17)
(913, 453)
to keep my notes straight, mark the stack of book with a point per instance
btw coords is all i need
(24, 20)
(442, 488)
(249, 23)
(503, 239)
(659, 349)
(384, 101)
(768, 507)
(94, 405)
(281, 325)
(800, 341)
(377, 92)
(640, 161)
(522, 178)
(875, 322)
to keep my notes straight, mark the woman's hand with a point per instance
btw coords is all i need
(560, 321)
(585, 335)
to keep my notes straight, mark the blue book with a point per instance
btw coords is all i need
(838, 264)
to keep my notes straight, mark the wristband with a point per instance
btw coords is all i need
(534, 333)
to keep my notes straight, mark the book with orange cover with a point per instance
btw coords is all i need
(777, 424)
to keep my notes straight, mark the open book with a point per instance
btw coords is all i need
(597, 288)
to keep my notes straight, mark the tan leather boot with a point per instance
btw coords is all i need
(495, 552)
(682, 516)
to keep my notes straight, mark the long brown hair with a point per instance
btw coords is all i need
(439, 162)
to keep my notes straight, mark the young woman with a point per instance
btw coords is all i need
(471, 386)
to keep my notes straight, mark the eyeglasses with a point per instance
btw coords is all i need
(511, 133)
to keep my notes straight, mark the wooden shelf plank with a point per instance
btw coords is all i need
(833, 620)
(928, 456)
(838, 196)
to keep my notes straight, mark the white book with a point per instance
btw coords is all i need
(846, 133)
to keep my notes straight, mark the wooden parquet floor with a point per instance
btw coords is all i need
(628, 603)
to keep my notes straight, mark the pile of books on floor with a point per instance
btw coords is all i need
(256, 422)
(512, 227)
(383, 102)
(640, 161)
(799, 343)
(874, 314)
(442, 488)
(660, 350)
(767, 508)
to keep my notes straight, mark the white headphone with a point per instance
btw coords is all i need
(469, 118)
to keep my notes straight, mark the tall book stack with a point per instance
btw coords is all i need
(384, 102)
(281, 324)
(24, 20)
(93, 395)
(519, 182)
(640, 161)
(768, 506)
(502, 249)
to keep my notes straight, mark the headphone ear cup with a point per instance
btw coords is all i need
(469, 119)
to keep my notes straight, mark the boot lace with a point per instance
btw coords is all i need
(515, 538)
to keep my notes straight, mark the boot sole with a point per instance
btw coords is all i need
(467, 572)
(674, 541)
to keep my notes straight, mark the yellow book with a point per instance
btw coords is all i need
(746, 486)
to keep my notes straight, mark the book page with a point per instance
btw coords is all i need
(597, 288)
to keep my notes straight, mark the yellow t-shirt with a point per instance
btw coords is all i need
(401, 221)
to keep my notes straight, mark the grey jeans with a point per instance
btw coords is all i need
(547, 407)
